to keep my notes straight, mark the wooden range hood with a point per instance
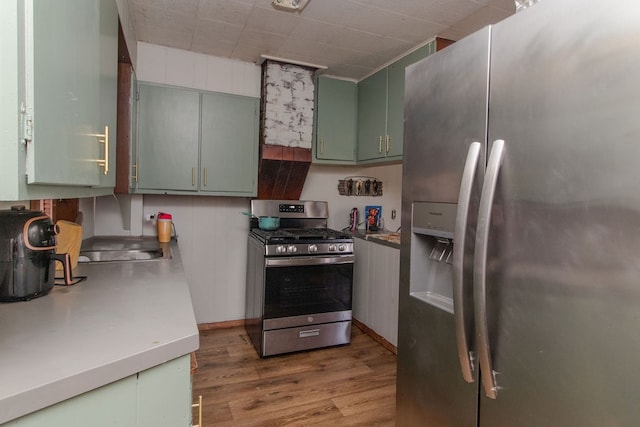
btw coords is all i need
(282, 171)
(286, 127)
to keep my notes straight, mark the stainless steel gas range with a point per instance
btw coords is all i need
(299, 279)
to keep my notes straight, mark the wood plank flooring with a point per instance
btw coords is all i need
(348, 385)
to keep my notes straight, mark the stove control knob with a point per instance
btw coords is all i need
(341, 248)
(313, 248)
(281, 249)
(332, 248)
(291, 249)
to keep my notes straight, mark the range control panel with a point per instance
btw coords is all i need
(291, 208)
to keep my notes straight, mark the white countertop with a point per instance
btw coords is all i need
(125, 318)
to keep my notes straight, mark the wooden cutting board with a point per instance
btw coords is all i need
(69, 240)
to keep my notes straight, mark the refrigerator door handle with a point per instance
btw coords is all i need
(464, 198)
(480, 269)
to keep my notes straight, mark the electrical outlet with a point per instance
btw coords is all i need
(149, 216)
(393, 214)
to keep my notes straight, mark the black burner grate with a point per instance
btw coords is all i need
(300, 234)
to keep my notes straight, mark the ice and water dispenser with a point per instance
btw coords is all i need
(431, 274)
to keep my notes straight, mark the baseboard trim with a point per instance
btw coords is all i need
(220, 325)
(376, 337)
(364, 328)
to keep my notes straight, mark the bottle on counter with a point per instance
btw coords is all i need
(165, 222)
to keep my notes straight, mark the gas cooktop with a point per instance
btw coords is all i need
(299, 235)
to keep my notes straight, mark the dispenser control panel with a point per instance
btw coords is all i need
(434, 219)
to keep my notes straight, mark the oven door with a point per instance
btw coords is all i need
(300, 288)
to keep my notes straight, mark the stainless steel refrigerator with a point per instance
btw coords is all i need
(520, 258)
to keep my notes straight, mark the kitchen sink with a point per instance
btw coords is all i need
(121, 255)
(111, 255)
(123, 249)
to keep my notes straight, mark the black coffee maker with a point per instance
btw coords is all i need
(28, 254)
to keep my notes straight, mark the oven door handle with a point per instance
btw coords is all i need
(314, 260)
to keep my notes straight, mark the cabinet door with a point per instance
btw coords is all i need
(375, 288)
(362, 281)
(395, 99)
(229, 144)
(168, 138)
(108, 86)
(372, 116)
(62, 68)
(164, 394)
(385, 299)
(159, 396)
(336, 125)
(395, 110)
(111, 405)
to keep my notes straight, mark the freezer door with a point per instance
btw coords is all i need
(563, 265)
(445, 112)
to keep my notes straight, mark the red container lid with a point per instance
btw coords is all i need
(162, 215)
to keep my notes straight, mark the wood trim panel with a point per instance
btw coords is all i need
(220, 325)
(442, 43)
(123, 136)
(376, 337)
(364, 328)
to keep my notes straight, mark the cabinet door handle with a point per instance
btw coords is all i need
(193, 177)
(388, 143)
(199, 406)
(104, 139)
(322, 145)
(459, 239)
(480, 268)
(309, 333)
(135, 176)
(380, 144)
(205, 177)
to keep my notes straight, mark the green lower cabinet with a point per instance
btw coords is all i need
(111, 405)
(158, 397)
(336, 118)
(164, 394)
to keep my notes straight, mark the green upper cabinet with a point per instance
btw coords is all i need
(336, 119)
(168, 121)
(56, 57)
(372, 116)
(109, 86)
(395, 100)
(229, 144)
(197, 142)
(65, 91)
(381, 110)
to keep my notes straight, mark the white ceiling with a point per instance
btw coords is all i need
(350, 37)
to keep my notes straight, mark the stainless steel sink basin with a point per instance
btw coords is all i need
(111, 255)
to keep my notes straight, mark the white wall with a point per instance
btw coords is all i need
(165, 65)
(212, 231)
(7, 205)
(322, 184)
